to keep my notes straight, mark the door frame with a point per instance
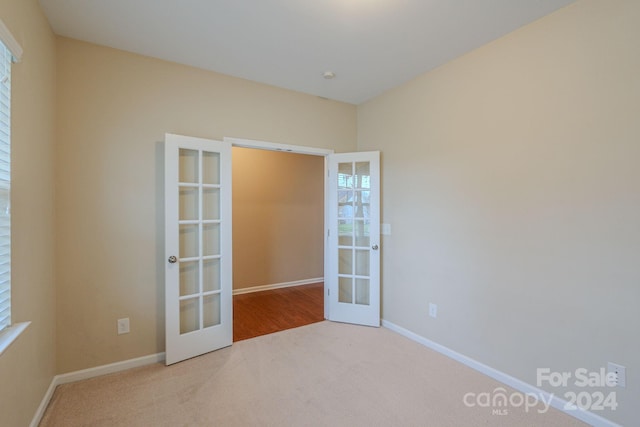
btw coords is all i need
(298, 149)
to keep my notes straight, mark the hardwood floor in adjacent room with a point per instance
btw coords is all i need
(265, 312)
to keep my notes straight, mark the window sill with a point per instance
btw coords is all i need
(10, 334)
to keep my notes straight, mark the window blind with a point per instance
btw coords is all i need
(5, 186)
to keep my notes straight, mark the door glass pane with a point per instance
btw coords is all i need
(362, 203)
(361, 231)
(189, 277)
(211, 310)
(211, 239)
(345, 232)
(362, 263)
(345, 210)
(188, 203)
(345, 175)
(362, 291)
(188, 166)
(345, 262)
(210, 168)
(366, 197)
(210, 203)
(345, 289)
(363, 211)
(345, 204)
(211, 275)
(189, 243)
(363, 176)
(189, 315)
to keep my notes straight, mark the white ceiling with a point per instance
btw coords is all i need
(371, 45)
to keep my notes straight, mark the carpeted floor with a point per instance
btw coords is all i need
(324, 374)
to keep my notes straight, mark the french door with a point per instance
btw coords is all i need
(198, 273)
(353, 240)
(198, 243)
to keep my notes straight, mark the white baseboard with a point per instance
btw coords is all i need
(43, 404)
(277, 286)
(585, 416)
(109, 369)
(91, 373)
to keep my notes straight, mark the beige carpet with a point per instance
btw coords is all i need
(324, 374)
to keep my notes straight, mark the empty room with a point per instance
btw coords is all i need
(473, 233)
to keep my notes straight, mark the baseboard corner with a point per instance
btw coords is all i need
(37, 417)
(91, 373)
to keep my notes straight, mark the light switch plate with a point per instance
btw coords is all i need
(433, 310)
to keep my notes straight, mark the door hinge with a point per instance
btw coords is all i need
(328, 232)
(328, 292)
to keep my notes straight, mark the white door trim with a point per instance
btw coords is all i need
(274, 146)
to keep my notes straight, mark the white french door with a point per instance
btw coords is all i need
(198, 279)
(353, 241)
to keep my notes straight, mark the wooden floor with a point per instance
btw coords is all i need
(265, 312)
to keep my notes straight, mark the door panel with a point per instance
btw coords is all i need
(198, 287)
(353, 239)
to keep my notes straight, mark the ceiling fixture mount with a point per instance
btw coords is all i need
(328, 75)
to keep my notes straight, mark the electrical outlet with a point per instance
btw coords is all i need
(123, 326)
(620, 374)
(433, 310)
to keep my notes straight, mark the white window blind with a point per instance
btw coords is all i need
(5, 186)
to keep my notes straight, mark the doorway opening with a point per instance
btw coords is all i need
(278, 240)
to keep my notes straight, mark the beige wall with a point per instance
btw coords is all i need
(511, 180)
(28, 366)
(509, 176)
(278, 217)
(113, 111)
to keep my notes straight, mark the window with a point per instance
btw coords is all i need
(5, 187)
(10, 51)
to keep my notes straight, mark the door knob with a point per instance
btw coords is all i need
(374, 247)
(172, 259)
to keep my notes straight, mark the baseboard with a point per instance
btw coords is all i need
(109, 369)
(523, 387)
(91, 373)
(43, 404)
(277, 286)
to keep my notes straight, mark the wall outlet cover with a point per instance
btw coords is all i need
(123, 326)
(620, 372)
